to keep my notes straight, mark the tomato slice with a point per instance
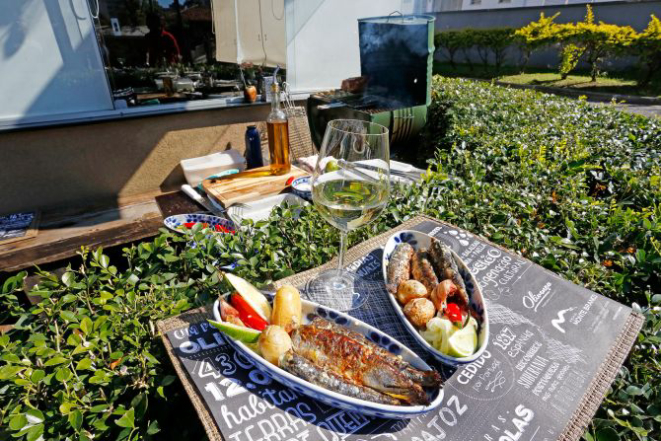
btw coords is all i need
(248, 315)
(453, 312)
(190, 225)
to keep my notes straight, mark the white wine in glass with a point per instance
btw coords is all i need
(350, 188)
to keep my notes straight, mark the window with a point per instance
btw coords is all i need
(163, 51)
(476, 2)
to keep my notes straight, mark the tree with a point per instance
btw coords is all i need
(535, 36)
(647, 46)
(599, 40)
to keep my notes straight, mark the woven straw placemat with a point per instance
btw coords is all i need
(576, 426)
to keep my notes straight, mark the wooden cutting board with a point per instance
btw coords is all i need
(230, 190)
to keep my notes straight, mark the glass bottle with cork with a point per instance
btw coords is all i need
(277, 126)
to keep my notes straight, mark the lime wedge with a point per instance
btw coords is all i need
(463, 342)
(239, 333)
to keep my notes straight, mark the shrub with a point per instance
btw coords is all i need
(599, 40)
(648, 47)
(570, 186)
(536, 35)
(497, 41)
(571, 55)
(487, 41)
(450, 42)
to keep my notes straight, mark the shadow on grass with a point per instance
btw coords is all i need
(623, 83)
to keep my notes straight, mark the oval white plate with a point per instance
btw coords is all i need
(335, 399)
(418, 241)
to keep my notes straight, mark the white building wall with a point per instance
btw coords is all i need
(467, 5)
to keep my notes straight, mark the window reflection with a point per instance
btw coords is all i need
(163, 51)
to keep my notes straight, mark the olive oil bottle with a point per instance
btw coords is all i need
(277, 126)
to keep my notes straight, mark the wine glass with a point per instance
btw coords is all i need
(350, 188)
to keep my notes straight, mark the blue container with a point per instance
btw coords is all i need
(253, 148)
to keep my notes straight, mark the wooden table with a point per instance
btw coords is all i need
(63, 232)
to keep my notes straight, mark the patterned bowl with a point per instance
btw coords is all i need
(335, 399)
(182, 222)
(302, 187)
(419, 241)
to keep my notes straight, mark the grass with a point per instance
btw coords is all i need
(624, 83)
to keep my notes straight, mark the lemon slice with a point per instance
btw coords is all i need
(239, 333)
(250, 294)
(462, 343)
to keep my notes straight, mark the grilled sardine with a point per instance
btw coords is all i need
(446, 268)
(423, 271)
(399, 266)
(315, 374)
(424, 378)
(355, 361)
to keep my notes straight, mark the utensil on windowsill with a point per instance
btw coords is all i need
(203, 201)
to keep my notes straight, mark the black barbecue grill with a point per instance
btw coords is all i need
(396, 56)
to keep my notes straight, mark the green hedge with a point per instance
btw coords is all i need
(587, 40)
(489, 43)
(570, 186)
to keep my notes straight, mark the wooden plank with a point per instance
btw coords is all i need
(62, 233)
(178, 203)
(231, 190)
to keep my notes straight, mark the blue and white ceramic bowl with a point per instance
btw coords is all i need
(419, 241)
(335, 399)
(302, 187)
(180, 222)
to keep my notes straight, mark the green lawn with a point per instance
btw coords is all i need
(617, 83)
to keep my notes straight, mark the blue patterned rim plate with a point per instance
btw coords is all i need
(419, 241)
(334, 399)
(181, 222)
(302, 187)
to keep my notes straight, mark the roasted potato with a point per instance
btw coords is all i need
(409, 290)
(419, 311)
(287, 311)
(441, 293)
(273, 343)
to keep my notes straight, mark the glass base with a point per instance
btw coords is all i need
(337, 289)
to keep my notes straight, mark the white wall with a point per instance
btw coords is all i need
(496, 4)
(49, 60)
(322, 38)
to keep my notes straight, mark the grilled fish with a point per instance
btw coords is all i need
(423, 271)
(447, 268)
(424, 378)
(357, 362)
(315, 374)
(399, 266)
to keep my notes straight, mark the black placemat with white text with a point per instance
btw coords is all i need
(549, 339)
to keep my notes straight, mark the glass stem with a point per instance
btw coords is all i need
(343, 249)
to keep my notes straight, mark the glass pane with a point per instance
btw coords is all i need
(163, 51)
